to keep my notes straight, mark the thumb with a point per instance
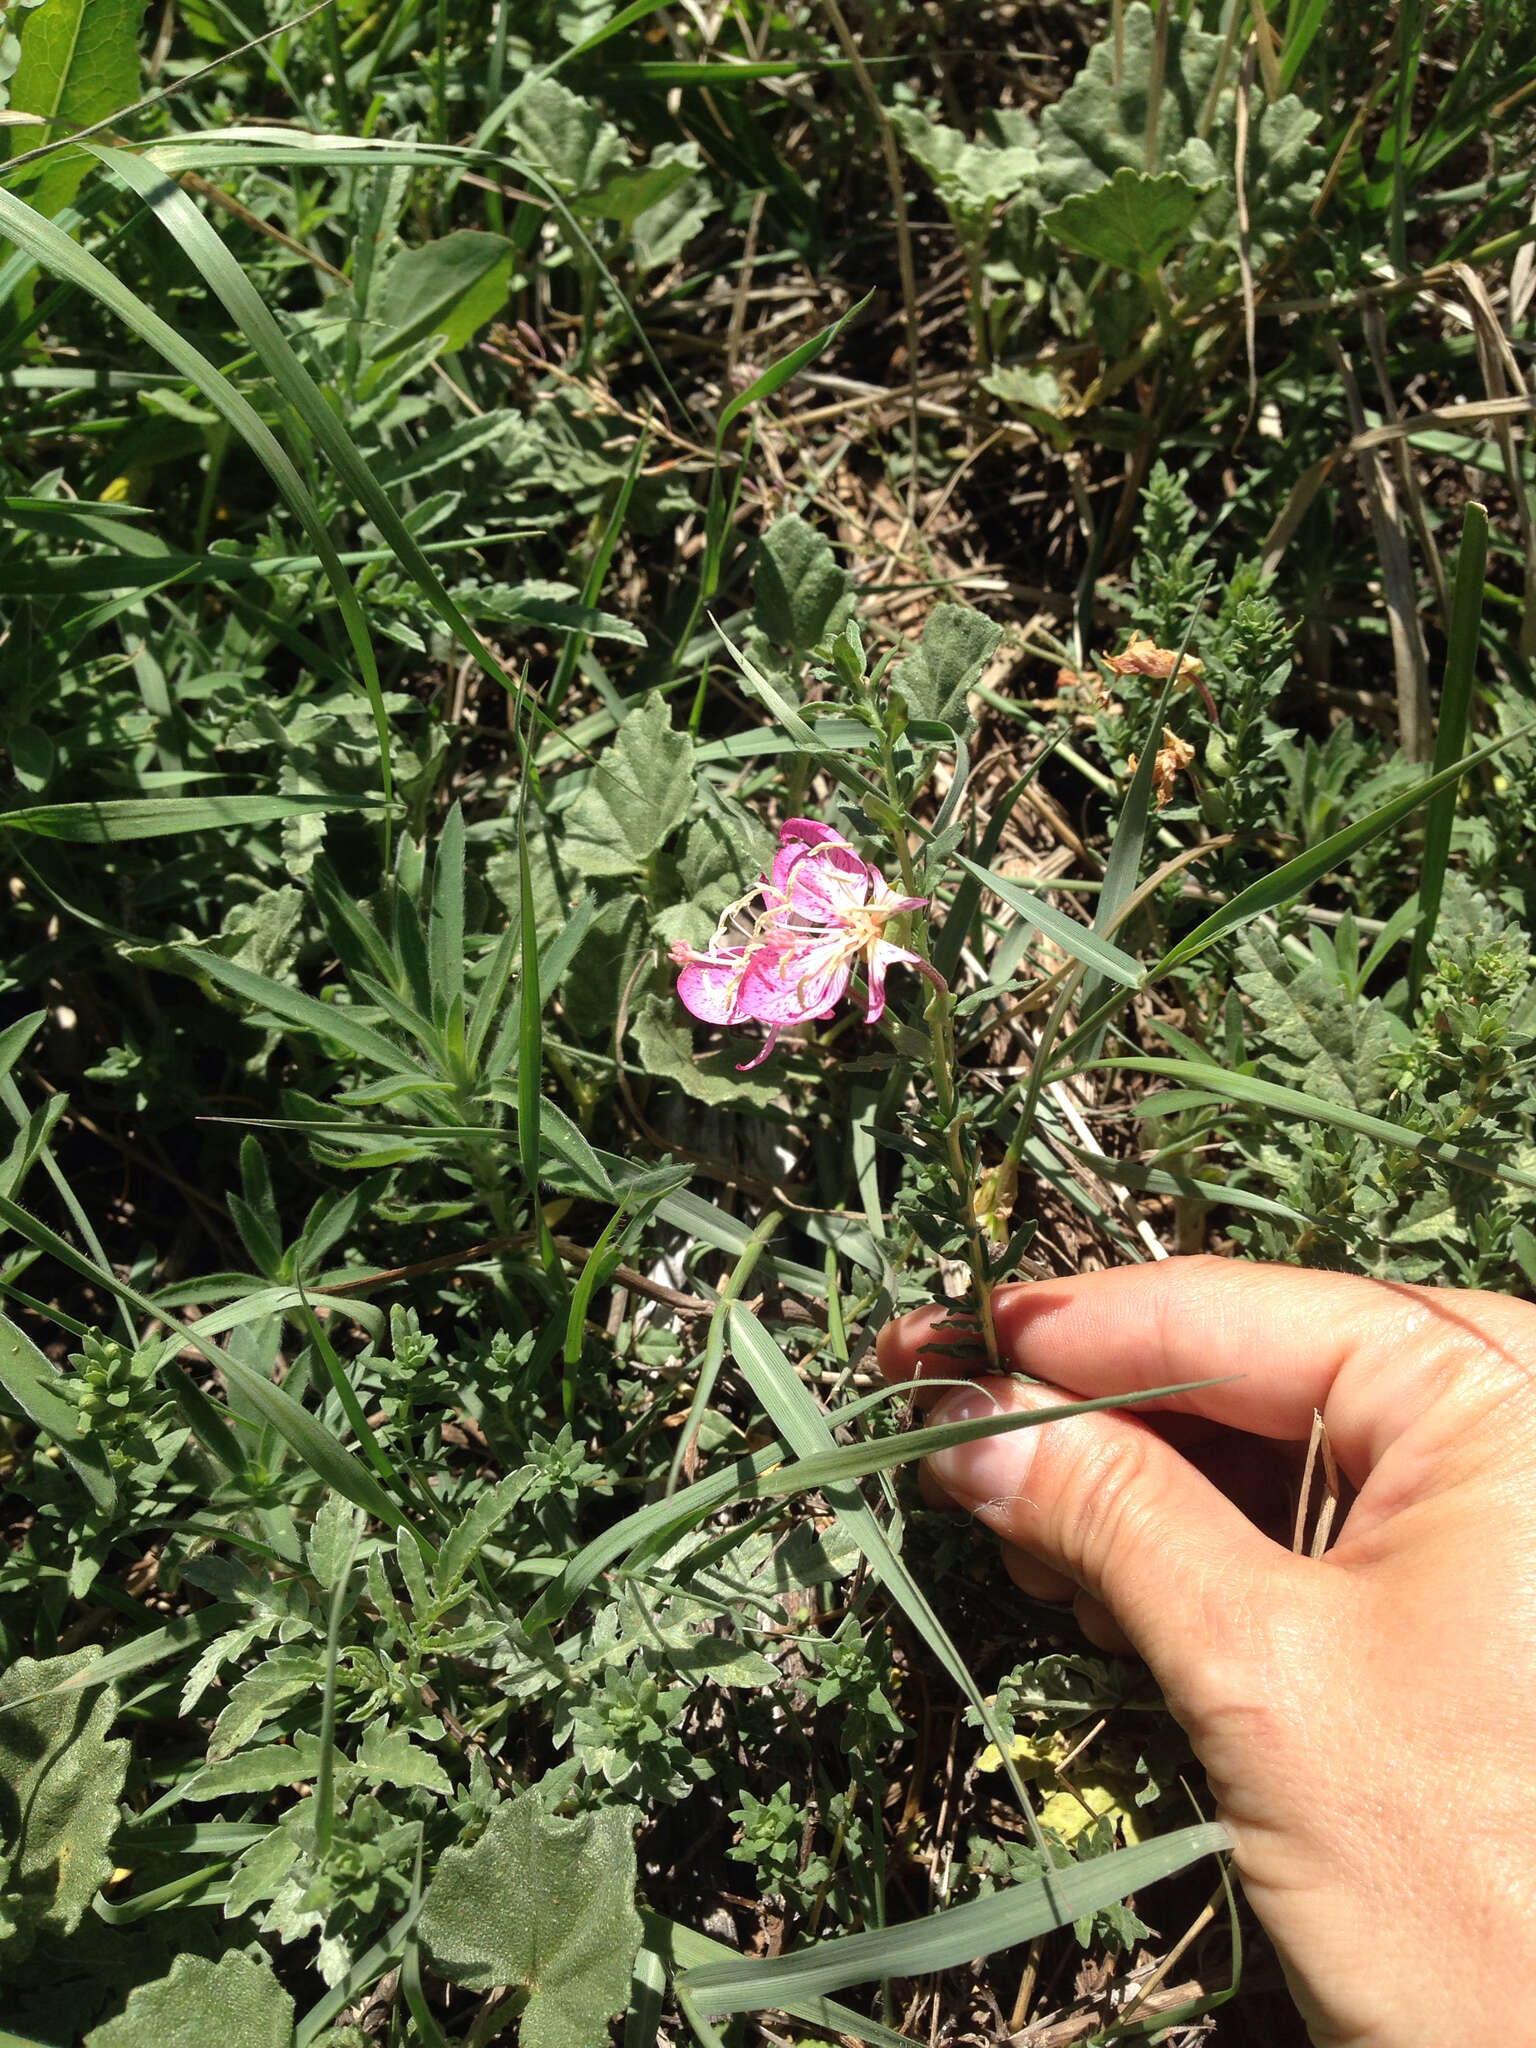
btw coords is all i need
(1192, 1583)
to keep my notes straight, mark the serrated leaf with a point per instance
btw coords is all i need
(566, 137)
(332, 1539)
(956, 646)
(203, 2005)
(1099, 127)
(665, 1039)
(802, 591)
(1135, 222)
(970, 177)
(545, 1903)
(475, 1527)
(1315, 1037)
(60, 1782)
(636, 796)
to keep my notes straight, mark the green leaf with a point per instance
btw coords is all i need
(566, 137)
(79, 63)
(1135, 222)
(665, 1039)
(451, 287)
(113, 819)
(321, 1020)
(802, 592)
(625, 193)
(635, 798)
(233, 2003)
(1099, 127)
(979, 1928)
(60, 1782)
(956, 646)
(971, 178)
(546, 1903)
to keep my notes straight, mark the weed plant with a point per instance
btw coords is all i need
(473, 475)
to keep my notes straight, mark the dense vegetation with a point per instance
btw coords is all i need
(473, 473)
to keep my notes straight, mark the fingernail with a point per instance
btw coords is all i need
(991, 1468)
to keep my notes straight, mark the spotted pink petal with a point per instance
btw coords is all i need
(710, 986)
(789, 984)
(816, 872)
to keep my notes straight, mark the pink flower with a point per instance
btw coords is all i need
(786, 953)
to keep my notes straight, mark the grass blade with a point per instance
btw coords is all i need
(1455, 716)
(1221, 1086)
(945, 1940)
(116, 819)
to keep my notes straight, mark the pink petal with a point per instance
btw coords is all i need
(789, 984)
(710, 986)
(746, 1066)
(882, 958)
(823, 884)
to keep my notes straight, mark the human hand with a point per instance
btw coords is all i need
(1367, 1720)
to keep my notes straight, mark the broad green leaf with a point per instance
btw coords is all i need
(545, 1903)
(1099, 127)
(801, 591)
(1135, 222)
(665, 1037)
(971, 178)
(60, 1782)
(956, 646)
(944, 1940)
(566, 137)
(114, 819)
(635, 798)
(452, 287)
(625, 193)
(79, 63)
(233, 2003)
(1064, 931)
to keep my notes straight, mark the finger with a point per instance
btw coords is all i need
(938, 1342)
(1367, 1354)
(1102, 1501)
(1038, 1580)
(1101, 1627)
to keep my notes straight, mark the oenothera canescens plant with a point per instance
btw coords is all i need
(785, 954)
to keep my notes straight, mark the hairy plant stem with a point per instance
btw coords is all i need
(938, 1014)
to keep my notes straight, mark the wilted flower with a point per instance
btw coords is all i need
(1173, 756)
(1143, 657)
(786, 952)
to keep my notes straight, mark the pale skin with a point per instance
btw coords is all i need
(1367, 1721)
